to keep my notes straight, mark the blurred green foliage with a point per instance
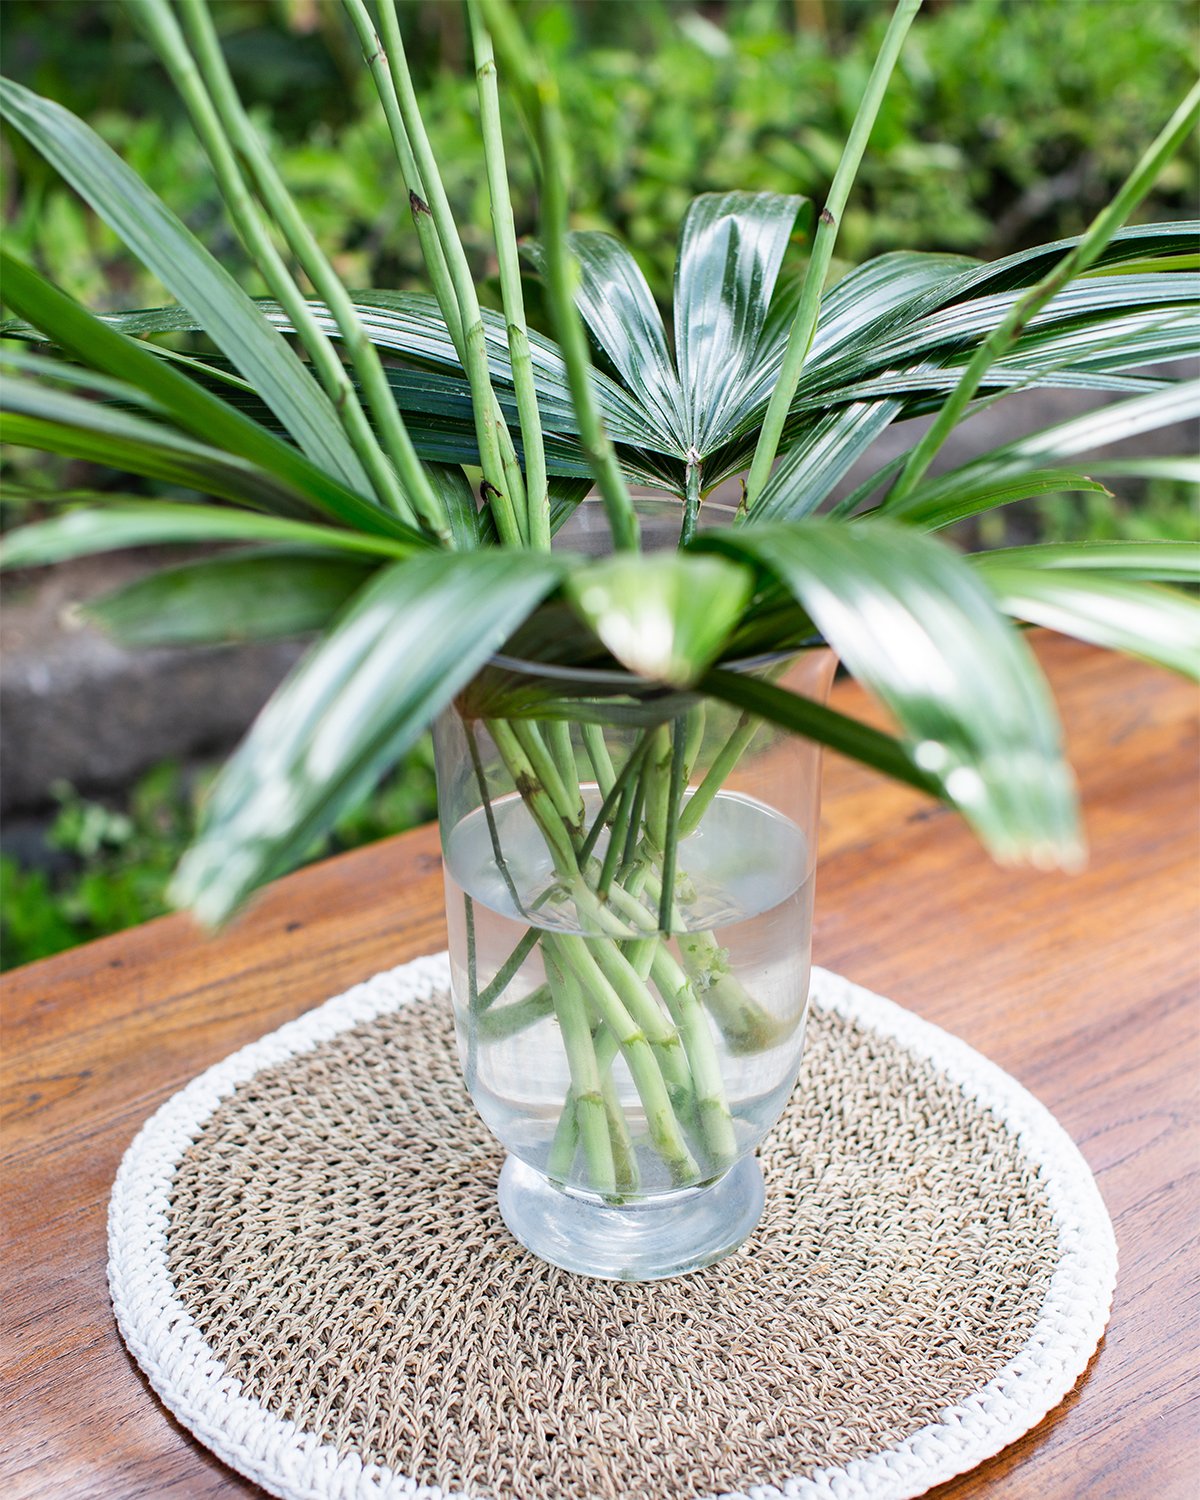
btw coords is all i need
(1008, 122)
(114, 858)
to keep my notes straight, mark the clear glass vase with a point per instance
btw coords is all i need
(629, 893)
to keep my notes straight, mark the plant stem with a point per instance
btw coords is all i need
(633, 832)
(427, 237)
(503, 1021)
(726, 758)
(715, 1120)
(804, 325)
(279, 203)
(496, 454)
(598, 756)
(508, 969)
(589, 1112)
(671, 842)
(617, 789)
(568, 804)
(557, 836)
(635, 1048)
(691, 500)
(620, 825)
(537, 500)
(540, 93)
(658, 782)
(160, 25)
(490, 818)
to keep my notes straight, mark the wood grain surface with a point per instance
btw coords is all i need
(1085, 988)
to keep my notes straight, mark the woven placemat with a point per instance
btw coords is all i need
(307, 1260)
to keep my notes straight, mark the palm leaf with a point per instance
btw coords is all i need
(168, 248)
(37, 417)
(1161, 562)
(1156, 624)
(1025, 466)
(619, 309)
(910, 619)
(191, 406)
(664, 615)
(816, 721)
(119, 523)
(730, 250)
(811, 467)
(255, 595)
(415, 635)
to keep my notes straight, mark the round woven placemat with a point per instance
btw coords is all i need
(307, 1260)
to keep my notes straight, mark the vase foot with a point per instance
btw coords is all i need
(645, 1241)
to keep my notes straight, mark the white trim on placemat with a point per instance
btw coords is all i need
(289, 1462)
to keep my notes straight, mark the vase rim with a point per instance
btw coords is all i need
(606, 677)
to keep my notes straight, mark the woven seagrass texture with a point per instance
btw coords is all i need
(333, 1233)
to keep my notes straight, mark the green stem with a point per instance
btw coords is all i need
(620, 826)
(537, 488)
(671, 843)
(280, 205)
(726, 758)
(490, 818)
(160, 25)
(640, 1058)
(586, 1098)
(598, 756)
(503, 1021)
(617, 789)
(504, 477)
(507, 523)
(535, 797)
(712, 1107)
(567, 804)
(427, 237)
(634, 831)
(804, 325)
(558, 741)
(505, 974)
(658, 783)
(691, 498)
(540, 95)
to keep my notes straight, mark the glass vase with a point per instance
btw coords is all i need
(629, 896)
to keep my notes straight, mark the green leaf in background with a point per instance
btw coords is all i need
(195, 409)
(664, 615)
(150, 523)
(414, 636)
(1157, 624)
(256, 595)
(1020, 467)
(168, 248)
(909, 618)
(1159, 562)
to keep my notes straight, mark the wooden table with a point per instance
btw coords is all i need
(1085, 988)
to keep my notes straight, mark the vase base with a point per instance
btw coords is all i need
(646, 1241)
